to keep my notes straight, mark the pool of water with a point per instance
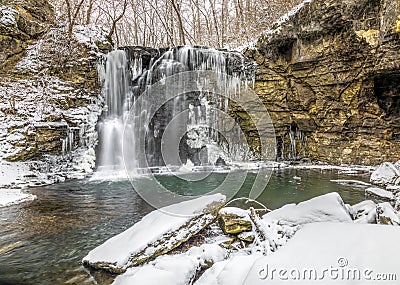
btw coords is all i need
(43, 242)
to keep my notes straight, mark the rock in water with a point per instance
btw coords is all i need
(387, 173)
(234, 220)
(380, 193)
(325, 208)
(157, 233)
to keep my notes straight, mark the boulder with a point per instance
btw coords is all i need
(380, 193)
(234, 220)
(387, 173)
(157, 233)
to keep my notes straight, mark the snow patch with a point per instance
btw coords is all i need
(91, 35)
(232, 271)
(8, 16)
(277, 25)
(364, 212)
(10, 197)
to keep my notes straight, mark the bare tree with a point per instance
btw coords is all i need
(158, 23)
(73, 10)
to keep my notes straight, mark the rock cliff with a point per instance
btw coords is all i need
(329, 75)
(49, 92)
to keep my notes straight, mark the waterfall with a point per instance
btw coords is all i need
(189, 122)
(115, 78)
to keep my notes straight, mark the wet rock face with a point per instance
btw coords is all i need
(331, 73)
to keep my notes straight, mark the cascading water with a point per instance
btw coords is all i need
(126, 74)
(115, 78)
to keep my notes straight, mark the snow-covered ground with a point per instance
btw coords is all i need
(10, 197)
(331, 253)
(10, 175)
(307, 240)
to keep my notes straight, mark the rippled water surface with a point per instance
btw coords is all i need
(43, 242)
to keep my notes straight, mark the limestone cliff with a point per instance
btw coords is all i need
(49, 92)
(330, 78)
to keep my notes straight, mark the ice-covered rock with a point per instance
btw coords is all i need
(325, 208)
(234, 220)
(157, 233)
(386, 215)
(386, 173)
(178, 269)
(364, 212)
(378, 192)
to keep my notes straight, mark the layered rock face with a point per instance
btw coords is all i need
(49, 93)
(330, 78)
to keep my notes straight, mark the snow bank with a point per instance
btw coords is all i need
(8, 15)
(11, 174)
(386, 173)
(157, 233)
(174, 269)
(10, 197)
(325, 208)
(340, 248)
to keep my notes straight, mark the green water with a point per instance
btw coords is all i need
(44, 241)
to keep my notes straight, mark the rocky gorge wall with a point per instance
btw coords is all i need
(50, 98)
(329, 76)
